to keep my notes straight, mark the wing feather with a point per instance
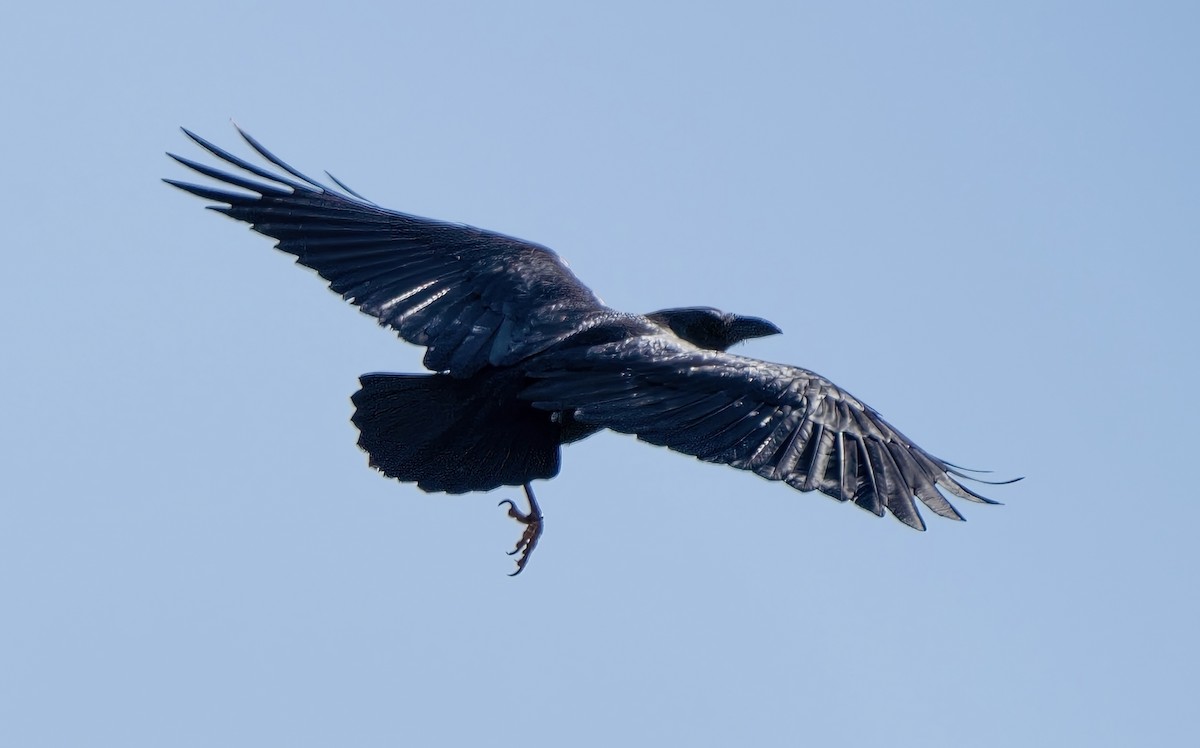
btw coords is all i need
(782, 422)
(421, 277)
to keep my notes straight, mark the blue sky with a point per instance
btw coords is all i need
(979, 219)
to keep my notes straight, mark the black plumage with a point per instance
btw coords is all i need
(527, 358)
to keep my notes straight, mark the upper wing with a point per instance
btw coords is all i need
(782, 422)
(473, 297)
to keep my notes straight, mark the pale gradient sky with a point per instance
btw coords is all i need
(981, 220)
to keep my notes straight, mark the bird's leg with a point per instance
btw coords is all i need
(533, 529)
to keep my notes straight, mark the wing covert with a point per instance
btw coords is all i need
(472, 297)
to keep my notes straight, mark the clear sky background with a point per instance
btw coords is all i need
(982, 220)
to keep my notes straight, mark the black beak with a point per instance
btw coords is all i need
(744, 328)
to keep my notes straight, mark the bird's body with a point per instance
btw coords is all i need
(526, 358)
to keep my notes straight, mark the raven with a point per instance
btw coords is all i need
(526, 358)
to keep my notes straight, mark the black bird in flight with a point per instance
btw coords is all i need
(526, 358)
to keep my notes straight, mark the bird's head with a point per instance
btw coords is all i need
(705, 327)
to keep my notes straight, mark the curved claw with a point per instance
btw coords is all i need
(533, 529)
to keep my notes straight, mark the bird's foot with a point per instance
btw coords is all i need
(533, 529)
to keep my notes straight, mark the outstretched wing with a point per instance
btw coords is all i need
(473, 297)
(781, 422)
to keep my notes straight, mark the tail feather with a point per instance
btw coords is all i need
(454, 435)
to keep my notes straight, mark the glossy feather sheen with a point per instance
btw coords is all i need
(377, 258)
(782, 422)
(529, 358)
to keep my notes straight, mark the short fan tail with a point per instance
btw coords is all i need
(454, 435)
